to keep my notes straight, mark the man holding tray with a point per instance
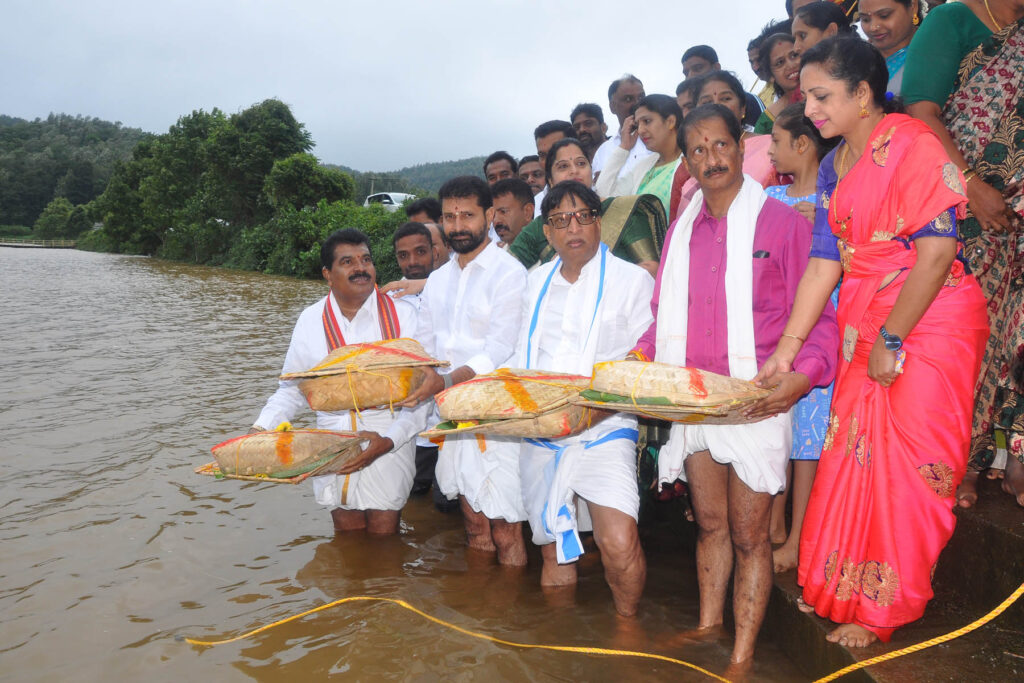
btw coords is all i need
(469, 315)
(369, 492)
(583, 307)
(732, 323)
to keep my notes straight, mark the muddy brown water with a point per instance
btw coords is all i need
(117, 374)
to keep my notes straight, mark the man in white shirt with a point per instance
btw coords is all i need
(369, 492)
(470, 313)
(585, 306)
(588, 121)
(623, 94)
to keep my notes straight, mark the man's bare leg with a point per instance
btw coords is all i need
(625, 568)
(382, 522)
(478, 528)
(348, 520)
(749, 513)
(709, 493)
(553, 574)
(508, 537)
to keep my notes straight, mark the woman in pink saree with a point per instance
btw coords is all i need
(913, 326)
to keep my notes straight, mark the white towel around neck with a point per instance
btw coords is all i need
(739, 283)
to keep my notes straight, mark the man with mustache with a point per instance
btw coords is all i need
(513, 209)
(732, 263)
(531, 172)
(469, 315)
(370, 492)
(588, 121)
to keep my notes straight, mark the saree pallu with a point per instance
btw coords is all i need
(985, 115)
(880, 510)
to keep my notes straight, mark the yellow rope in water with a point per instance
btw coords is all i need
(622, 653)
(929, 643)
(403, 604)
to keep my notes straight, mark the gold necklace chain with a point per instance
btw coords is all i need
(994, 22)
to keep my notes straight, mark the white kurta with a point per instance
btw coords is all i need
(579, 324)
(385, 483)
(638, 152)
(470, 316)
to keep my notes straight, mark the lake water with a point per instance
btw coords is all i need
(117, 375)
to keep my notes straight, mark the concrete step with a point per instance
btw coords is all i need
(981, 566)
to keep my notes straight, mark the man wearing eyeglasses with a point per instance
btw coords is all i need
(470, 313)
(585, 306)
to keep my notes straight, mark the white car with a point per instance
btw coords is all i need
(392, 201)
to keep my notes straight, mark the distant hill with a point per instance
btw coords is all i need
(419, 180)
(59, 156)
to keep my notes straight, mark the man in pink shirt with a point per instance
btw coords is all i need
(725, 287)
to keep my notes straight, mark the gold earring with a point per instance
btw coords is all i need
(917, 19)
(864, 113)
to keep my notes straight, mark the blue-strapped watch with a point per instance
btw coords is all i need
(892, 341)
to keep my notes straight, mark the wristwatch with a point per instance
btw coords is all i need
(892, 342)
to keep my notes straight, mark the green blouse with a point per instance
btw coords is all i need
(947, 34)
(658, 181)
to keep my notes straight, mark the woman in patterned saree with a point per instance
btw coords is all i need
(965, 78)
(913, 325)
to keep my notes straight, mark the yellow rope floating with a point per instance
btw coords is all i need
(403, 604)
(622, 653)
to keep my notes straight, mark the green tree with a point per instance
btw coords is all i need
(78, 223)
(53, 221)
(300, 181)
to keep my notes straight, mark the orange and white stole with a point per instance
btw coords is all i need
(387, 316)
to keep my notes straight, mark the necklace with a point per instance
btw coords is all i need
(994, 22)
(843, 156)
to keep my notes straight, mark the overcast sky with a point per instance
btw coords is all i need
(379, 85)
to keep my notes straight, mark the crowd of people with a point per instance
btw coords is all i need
(849, 237)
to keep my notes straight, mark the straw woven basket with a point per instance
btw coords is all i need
(285, 454)
(677, 385)
(521, 403)
(360, 376)
(671, 393)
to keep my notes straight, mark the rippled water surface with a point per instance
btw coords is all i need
(118, 374)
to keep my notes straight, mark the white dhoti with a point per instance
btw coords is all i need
(598, 466)
(759, 452)
(488, 478)
(382, 485)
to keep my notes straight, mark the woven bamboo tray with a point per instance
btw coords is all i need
(679, 386)
(361, 376)
(285, 455)
(514, 402)
(670, 393)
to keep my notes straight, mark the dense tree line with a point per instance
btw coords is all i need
(61, 156)
(432, 175)
(239, 190)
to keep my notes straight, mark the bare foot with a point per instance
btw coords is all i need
(674, 641)
(785, 557)
(967, 494)
(851, 635)
(1013, 481)
(739, 671)
(803, 606)
(994, 473)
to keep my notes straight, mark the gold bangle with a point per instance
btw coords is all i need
(800, 339)
(969, 175)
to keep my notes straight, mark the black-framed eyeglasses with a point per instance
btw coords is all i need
(559, 221)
